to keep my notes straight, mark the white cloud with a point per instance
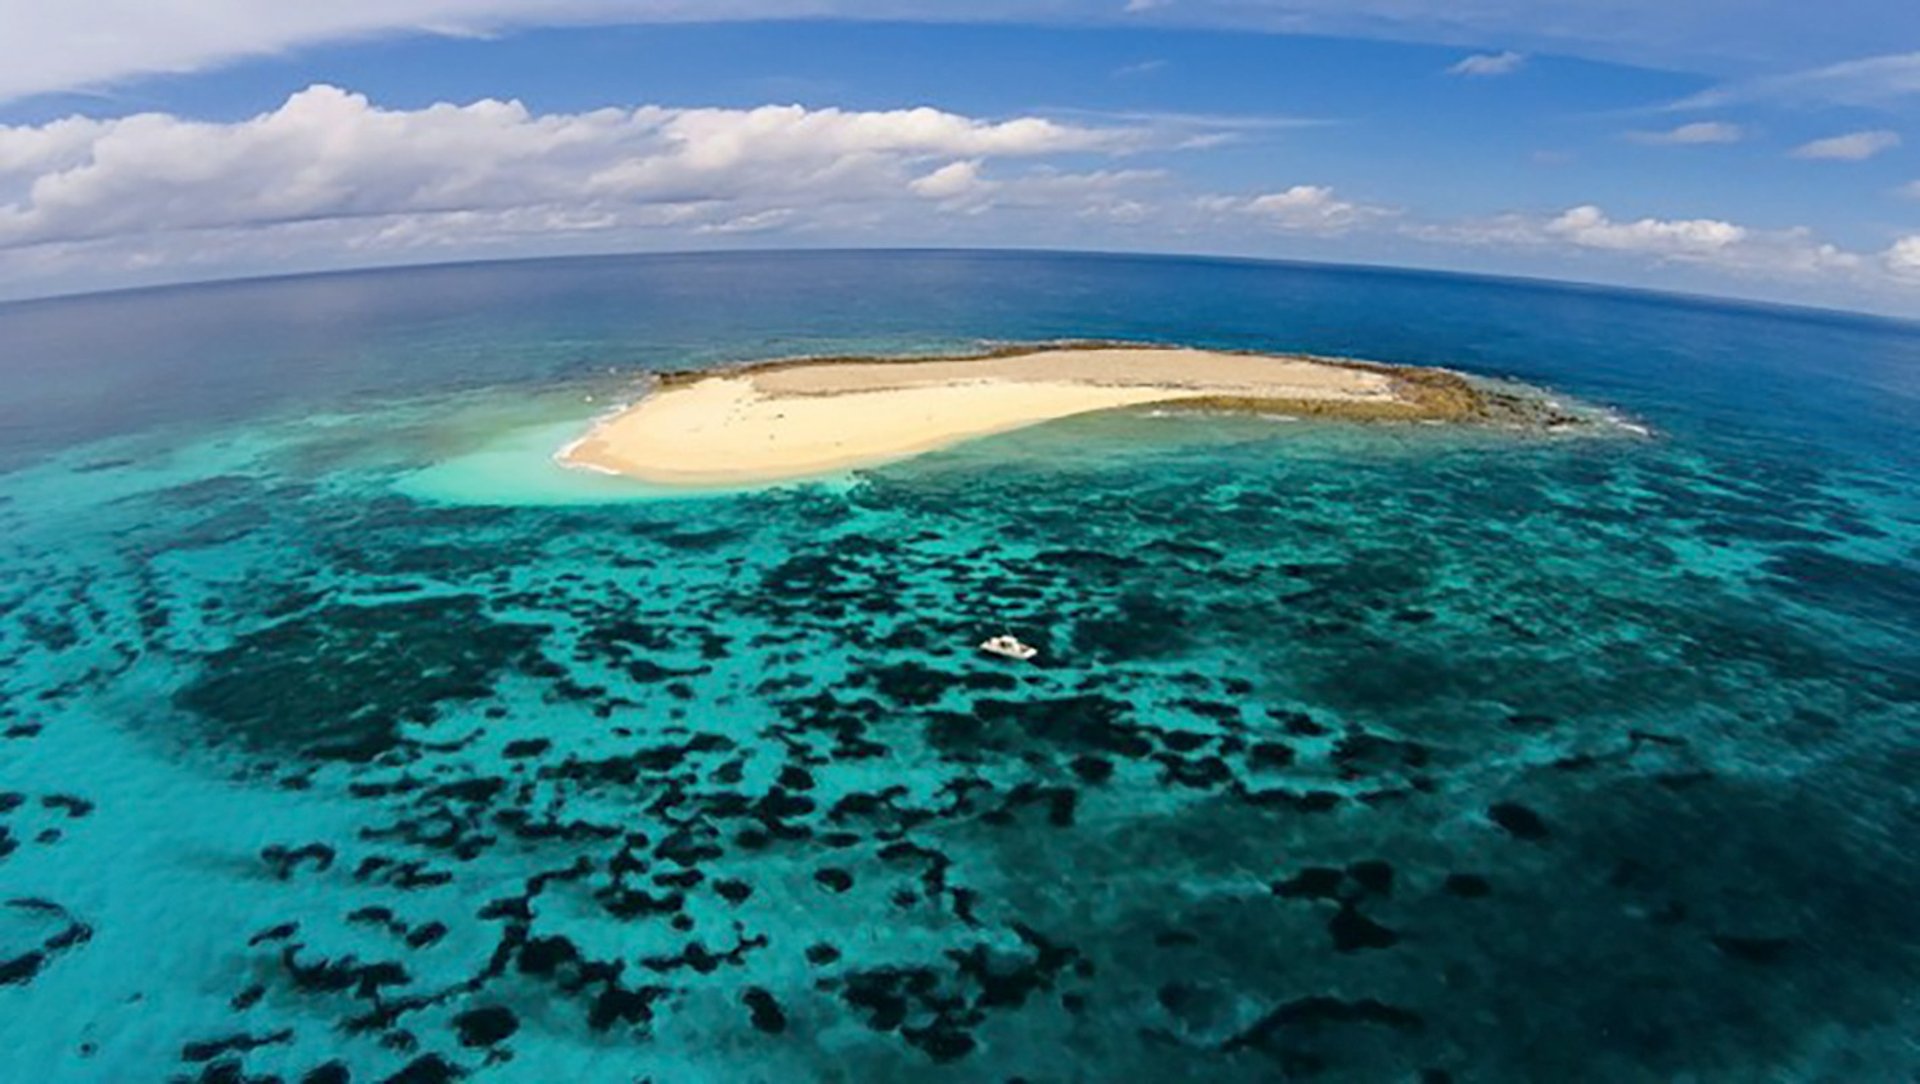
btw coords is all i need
(1699, 133)
(1488, 64)
(954, 180)
(1851, 147)
(1106, 194)
(1191, 131)
(1305, 208)
(329, 179)
(330, 154)
(1139, 70)
(1589, 227)
(1911, 190)
(1788, 254)
(756, 222)
(1903, 258)
(1868, 81)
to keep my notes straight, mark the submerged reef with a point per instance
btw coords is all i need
(1450, 762)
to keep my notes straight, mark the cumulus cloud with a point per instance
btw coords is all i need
(1903, 258)
(330, 179)
(1488, 64)
(1590, 227)
(954, 180)
(1702, 242)
(330, 154)
(1851, 147)
(1698, 133)
(1305, 208)
(1112, 195)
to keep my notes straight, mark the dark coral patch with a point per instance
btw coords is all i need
(486, 1026)
(1314, 882)
(44, 929)
(1518, 821)
(1470, 886)
(1353, 931)
(341, 681)
(1373, 875)
(235, 1044)
(765, 1012)
(1754, 950)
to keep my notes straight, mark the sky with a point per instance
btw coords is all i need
(1760, 149)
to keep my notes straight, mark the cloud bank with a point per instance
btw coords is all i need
(330, 154)
(1305, 208)
(1793, 254)
(330, 179)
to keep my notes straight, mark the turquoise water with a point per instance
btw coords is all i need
(346, 737)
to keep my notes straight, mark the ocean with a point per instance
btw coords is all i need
(345, 736)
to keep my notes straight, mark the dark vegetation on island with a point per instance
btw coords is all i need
(1423, 393)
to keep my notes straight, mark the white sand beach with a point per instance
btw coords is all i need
(788, 421)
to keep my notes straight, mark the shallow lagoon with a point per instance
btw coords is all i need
(337, 743)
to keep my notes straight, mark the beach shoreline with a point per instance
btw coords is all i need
(800, 418)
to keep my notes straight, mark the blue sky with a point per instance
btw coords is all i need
(1755, 149)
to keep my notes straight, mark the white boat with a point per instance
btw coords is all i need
(1009, 647)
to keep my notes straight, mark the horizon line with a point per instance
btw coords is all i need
(1693, 298)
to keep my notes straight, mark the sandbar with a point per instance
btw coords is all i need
(783, 421)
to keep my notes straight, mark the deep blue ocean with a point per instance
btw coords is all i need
(343, 736)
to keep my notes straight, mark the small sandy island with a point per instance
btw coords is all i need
(788, 420)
